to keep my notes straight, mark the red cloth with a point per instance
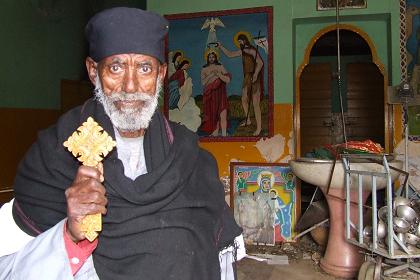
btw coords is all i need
(214, 102)
(178, 76)
(78, 252)
(366, 146)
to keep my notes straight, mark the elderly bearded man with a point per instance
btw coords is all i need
(164, 214)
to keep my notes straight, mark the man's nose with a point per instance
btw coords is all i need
(130, 81)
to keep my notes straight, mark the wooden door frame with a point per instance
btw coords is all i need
(375, 60)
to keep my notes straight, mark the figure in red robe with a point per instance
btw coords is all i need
(214, 78)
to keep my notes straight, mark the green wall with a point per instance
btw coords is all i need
(40, 47)
(295, 22)
(39, 50)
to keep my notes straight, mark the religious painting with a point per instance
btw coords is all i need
(343, 4)
(264, 196)
(412, 34)
(219, 80)
(254, 212)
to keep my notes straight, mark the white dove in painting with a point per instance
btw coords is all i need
(211, 24)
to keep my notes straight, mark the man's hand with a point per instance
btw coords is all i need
(85, 196)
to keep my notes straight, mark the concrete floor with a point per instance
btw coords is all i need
(303, 258)
(300, 269)
(249, 269)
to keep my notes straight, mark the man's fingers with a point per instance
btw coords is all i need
(84, 209)
(87, 186)
(86, 172)
(100, 168)
(91, 197)
(85, 196)
(93, 208)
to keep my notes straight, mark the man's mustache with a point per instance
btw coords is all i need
(123, 96)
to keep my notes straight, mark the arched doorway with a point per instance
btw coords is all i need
(363, 87)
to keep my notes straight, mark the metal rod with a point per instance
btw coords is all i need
(348, 198)
(406, 167)
(360, 204)
(359, 172)
(313, 196)
(400, 243)
(415, 268)
(310, 229)
(395, 269)
(374, 214)
(389, 193)
(337, 10)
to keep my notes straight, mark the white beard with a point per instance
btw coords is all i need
(129, 119)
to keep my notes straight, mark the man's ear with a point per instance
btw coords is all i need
(92, 69)
(162, 70)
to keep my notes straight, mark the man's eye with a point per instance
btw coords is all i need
(115, 68)
(145, 68)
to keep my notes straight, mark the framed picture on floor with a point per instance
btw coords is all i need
(219, 81)
(262, 192)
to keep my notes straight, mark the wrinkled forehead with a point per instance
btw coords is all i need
(131, 58)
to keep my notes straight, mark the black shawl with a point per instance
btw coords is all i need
(167, 224)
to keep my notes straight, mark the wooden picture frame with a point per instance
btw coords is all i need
(273, 181)
(322, 5)
(206, 88)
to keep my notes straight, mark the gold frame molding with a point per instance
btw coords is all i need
(375, 60)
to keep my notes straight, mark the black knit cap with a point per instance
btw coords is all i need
(126, 30)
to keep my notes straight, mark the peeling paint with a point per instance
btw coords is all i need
(272, 148)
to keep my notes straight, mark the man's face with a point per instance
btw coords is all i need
(241, 44)
(128, 86)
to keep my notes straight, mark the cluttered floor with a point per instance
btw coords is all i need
(292, 261)
(287, 261)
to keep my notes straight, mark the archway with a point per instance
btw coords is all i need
(364, 82)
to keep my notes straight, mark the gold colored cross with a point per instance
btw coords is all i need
(90, 143)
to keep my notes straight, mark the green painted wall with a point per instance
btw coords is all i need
(295, 22)
(38, 50)
(376, 26)
(39, 47)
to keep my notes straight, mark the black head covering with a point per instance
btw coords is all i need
(126, 30)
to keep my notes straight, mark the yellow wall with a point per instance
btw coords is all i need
(246, 151)
(283, 124)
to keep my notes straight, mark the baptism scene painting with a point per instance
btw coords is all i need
(264, 201)
(219, 81)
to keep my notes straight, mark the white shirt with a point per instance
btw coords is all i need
(131, 153)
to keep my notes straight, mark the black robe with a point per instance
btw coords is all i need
(167, 224)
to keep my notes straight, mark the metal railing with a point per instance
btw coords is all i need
(356, 234)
